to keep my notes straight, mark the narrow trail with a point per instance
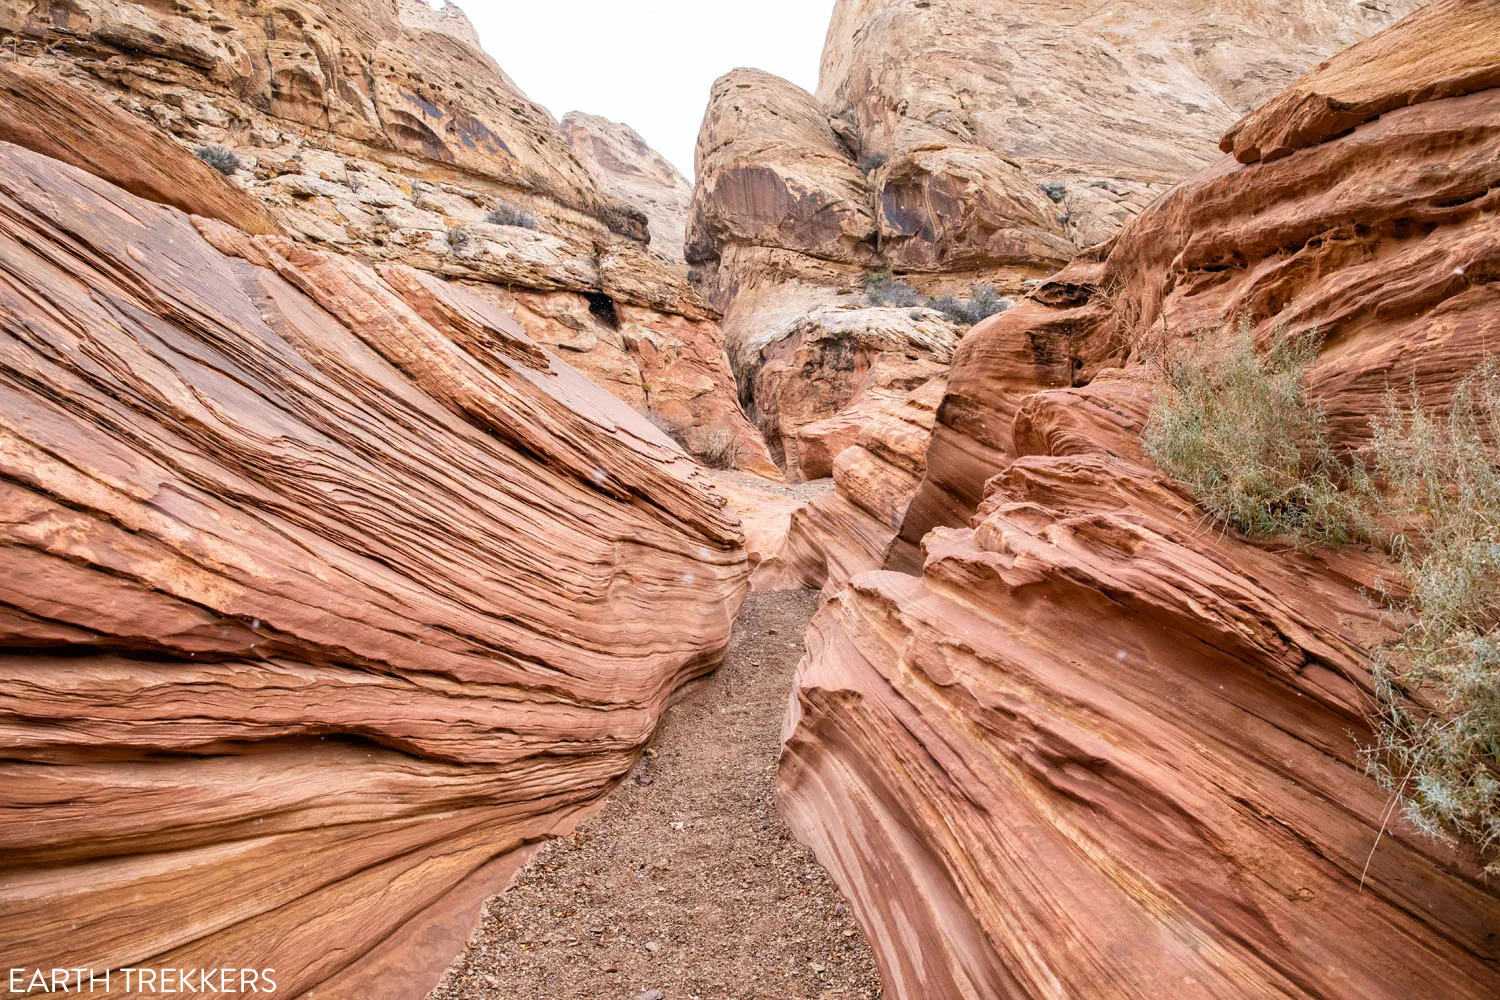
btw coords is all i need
(687, 884)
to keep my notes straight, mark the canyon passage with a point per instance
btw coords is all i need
(447, 552)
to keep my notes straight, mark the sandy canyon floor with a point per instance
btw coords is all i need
(687, 884)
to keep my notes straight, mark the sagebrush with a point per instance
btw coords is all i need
(885, 289)
(506, 214)
(1235, 425)
(1438, 686)
(983, 302)
(226, 161)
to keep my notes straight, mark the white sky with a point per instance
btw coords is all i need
(647, 63)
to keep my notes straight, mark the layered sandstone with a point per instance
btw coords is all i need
(855, 529)
(963, 142)
(1096, 748)
(381, 129)
(627, 168)
(815, 382)
(325, 590)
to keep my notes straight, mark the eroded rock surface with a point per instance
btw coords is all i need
(381, 129)
(815, 382)
(964, 142)
(1099, 746)
(325, 589)
(626, 167)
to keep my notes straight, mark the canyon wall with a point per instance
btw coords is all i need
(326, 589)
(1095, 745)
(971, 142)
(380, 128)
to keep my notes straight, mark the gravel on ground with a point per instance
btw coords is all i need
(687, 885)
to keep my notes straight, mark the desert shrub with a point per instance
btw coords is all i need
(721, 450)
(1056, 190)
(1438, 686)
(506, 214)
(459, 237)
(872, 162)
(885, 289)
(659, 422)
(982, 303)
(222, 159)
(1236, 426)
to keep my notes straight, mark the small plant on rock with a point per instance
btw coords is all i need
(1236, 426)
(1438, 686)
(459, 238)
(506, 214)
(885, 289)
(721, 450)
(221, 158)
(983, 302)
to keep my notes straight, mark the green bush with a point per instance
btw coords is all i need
(1236, 426)
(1438, 686)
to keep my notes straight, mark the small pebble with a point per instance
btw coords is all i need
(653, 947)
(653, 995)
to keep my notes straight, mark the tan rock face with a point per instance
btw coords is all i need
(325, 588)
(1094, 749)
(383, 130)
(1112, 100)
(625, 166)
(978, 141)
(773, 176)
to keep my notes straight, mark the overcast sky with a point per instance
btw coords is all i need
(648, 63)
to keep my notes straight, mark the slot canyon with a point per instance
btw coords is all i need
(447, 552)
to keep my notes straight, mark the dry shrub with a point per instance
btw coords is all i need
(1438, 686)
(721, 450)
(1236, 426)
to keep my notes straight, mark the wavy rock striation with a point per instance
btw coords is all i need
(1099, 747)
(325, 589)
(381, 128)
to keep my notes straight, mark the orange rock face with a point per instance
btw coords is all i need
(815, 382)
(324, 589)
(1099, 746)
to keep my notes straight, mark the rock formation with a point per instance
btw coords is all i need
(1099, 747)
(628, 169)
(325, 590)
(964, 142)
(380, 128)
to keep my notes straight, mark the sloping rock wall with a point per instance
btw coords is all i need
(1100, 747)
(325, 589)
(382, 129)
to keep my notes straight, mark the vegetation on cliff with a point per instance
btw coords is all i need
(1237, 426)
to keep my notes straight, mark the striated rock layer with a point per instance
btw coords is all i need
(962, 142)
(1100, 747)
(380, 128)
(324, 590)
